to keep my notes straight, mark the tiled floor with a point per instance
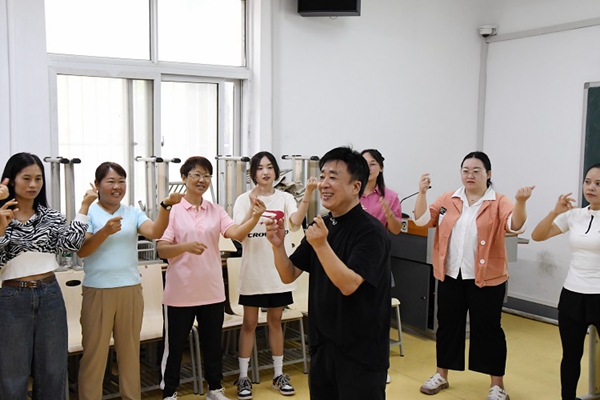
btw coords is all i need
(534, 353)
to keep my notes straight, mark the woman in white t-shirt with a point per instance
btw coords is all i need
(260, 284)
(579, 304)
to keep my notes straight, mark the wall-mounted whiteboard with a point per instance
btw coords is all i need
(533, 133)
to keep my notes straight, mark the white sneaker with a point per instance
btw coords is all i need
(283, 385)
(244, 388)
(173, 397)
(218, 394)
(497, 393)
(435, 384)
(388, 379)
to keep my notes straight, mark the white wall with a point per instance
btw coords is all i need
(534, 122)
(402, 77)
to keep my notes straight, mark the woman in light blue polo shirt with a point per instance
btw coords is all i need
(112, 292)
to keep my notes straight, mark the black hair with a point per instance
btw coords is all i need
(103, 169)
(481, 156)
(597, 165)
(15, 164)
(355, 162)
(379, 158)
(255, 162)
(192, 162)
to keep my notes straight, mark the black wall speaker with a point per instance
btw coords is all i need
(328, 8)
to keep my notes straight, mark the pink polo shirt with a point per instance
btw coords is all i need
(195, 280)
(371, 204)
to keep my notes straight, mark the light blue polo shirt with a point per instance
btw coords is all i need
(114, 263)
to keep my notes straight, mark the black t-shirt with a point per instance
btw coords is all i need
(360, 323)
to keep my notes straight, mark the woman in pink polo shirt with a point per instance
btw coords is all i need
(378, 200)
(194, 286)
(469, 260)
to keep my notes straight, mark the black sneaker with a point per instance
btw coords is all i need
(282, 383)
(244, 388)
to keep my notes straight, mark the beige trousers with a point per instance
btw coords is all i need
(117, 311)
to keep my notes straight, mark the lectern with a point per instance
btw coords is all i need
(413, 273)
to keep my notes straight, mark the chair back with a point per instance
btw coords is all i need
(152, 287)
(301, 293)
(70, 282)
(234, 266)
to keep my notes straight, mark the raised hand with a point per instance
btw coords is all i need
(311, 184)
(317, 232)
(90, 195)
(275, 232)
(255, 192)
(195, 247)
(113, 225)
(6, 214)
(424, 183)
(4, 189)
(174, 198)
(386, 207)
(524, 193)
(564, 203)
(258, 207)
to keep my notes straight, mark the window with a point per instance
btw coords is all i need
(104, 119)
(107, 28)
(122, 92)
(213, 31)
(193, 31)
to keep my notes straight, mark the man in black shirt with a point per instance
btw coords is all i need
(347, 255)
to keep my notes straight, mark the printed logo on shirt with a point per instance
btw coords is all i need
(271, 214)
(261, 234)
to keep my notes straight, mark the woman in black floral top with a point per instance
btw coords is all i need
(33, 323)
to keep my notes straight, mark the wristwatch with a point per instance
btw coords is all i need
(165, 206)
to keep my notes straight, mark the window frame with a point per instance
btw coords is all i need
(157, 72)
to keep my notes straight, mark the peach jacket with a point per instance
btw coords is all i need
(492, 223)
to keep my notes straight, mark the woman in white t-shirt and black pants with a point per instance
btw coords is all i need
(579, 305)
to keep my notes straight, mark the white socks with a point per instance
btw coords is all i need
(277, 366)
(244, 363)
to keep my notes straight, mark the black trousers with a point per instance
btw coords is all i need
(487, 349)
(572, 337)
(335, 376)
(178, 323)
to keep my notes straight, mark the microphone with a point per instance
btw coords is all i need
(409, 196)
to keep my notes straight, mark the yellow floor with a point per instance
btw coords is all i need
(534, 353)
